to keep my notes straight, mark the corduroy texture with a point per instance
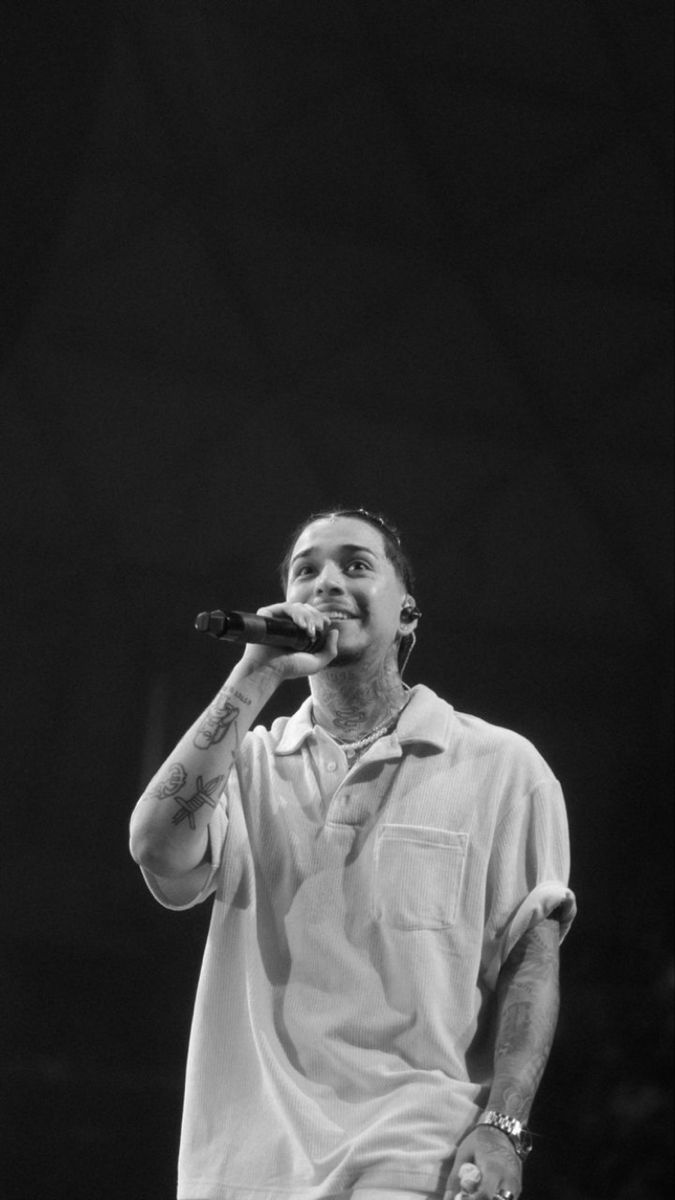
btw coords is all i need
(341, 1028)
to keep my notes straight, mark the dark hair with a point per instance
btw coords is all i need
(392, 548)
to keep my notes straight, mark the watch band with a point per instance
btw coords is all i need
(518, 1135)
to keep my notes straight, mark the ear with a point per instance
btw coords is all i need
(409, 616)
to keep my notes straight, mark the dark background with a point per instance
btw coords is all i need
(267, 257)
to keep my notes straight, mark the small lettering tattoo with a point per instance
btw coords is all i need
(207, 793)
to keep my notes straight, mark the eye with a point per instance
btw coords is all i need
(305, 569)
(358, 564)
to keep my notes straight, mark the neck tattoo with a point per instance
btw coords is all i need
(354, 748)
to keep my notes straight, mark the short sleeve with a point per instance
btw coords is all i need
(528, 874)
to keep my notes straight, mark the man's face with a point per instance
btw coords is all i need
(339, 565)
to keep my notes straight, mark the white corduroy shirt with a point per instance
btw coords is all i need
(341, 1038)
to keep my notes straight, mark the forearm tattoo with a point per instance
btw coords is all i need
(528, 1014)
(218, 719)
(207, 793)
(170, 783)
(173, 782)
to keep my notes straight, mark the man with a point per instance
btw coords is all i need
(379, 991)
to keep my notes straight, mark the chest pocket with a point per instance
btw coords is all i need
(417, 876)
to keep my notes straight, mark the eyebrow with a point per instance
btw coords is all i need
(348, 546)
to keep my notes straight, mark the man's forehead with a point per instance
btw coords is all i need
(332, 532)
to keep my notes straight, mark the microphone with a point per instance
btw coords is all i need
(470, 1180)
(249, 627)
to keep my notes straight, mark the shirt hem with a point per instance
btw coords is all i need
(424, 1185)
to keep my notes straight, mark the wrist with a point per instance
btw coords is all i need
(257, 680)
(518, 1135)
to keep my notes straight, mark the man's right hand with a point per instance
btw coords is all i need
(169, 823)
(294, 664)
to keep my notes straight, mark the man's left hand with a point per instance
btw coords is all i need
(497, 1161)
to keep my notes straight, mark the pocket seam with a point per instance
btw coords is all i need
(449, 841)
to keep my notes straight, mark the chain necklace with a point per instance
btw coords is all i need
(353, 749)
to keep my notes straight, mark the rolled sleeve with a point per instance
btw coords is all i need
(529, 873)
(543, 901)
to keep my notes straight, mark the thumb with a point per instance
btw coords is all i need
(310, 662)
(465, 1183)
(329, 649)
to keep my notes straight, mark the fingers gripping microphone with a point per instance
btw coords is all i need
(470, 1180)
(249, 627)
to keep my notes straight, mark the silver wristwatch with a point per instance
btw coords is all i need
(519, 1136)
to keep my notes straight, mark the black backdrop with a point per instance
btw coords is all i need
(268, 256)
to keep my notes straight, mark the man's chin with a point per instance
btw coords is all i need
(345, 658)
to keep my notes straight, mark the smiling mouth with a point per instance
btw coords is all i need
(339, 616)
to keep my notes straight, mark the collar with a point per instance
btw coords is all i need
(425, 719)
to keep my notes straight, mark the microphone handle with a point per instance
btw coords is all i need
(250, 627)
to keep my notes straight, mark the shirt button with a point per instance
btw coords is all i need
(331, 766)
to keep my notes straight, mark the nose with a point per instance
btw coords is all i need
(328, 581)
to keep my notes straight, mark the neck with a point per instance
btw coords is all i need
(352, 700)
